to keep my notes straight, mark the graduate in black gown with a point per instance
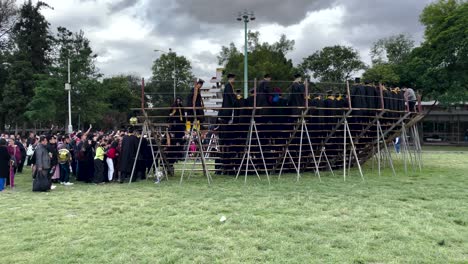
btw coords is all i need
(239, 130)
(296, 97)
(263, 93)
(177, 119)
(296, 100)
(226, 119)
(85, 159)
(225, 115)
(128, 154)
(263, 108)
(195, 103)
(315, 119)
(359, 102)
(176, 132)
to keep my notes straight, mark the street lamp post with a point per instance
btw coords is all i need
(68, 88)
(246, 17)
(174, 72)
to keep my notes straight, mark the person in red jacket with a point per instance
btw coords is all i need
(111, 155)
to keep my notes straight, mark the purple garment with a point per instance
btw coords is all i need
(14, 150)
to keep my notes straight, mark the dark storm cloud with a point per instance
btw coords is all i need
(121, 5)
(364, 20)
(268, 11)
(363, 23)
(179, 23)
(188, 18)
(134, 57)
(369, 20)
(204, 64)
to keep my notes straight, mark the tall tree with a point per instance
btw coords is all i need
(388, 57)
(4, 75)
(32, 37)
(8, 15)
(32, 45)
(15, 94)
(382, 72)
(333, 64)
(49, 101)
(122, 94)
(262, 58)
(393, 50)
(161, 86)
(442, 59)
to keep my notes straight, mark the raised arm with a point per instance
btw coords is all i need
(89, 129)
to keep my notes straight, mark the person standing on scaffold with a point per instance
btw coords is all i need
(195, 106)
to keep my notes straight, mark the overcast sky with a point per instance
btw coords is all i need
(124, 33)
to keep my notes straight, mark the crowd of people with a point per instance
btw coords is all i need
(91, 157)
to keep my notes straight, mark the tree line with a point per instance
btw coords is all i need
(34, 57)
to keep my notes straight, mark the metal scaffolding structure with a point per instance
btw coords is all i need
(331, 129)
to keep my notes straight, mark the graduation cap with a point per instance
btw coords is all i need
(231, 75)
(357, 80)
(267, 76)
(297, 75)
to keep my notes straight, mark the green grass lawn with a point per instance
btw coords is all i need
(414, 218)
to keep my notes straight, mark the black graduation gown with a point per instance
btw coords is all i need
(330, 112)
(86, 164)
(246, 114)
(401, 101)
(179, 115)
(395, 102)
(144, 157)
(198, 104)
(238, 134)
(128, 153)
(296, 99)
(387, 99)
(52, 148)
(229, 99)
(378, 99)
(316, 119)
(263, 92)
(23, 155)
(358, 100)
(340, 102)
(316, 113)
(4, 163)
(373, 99)
(79, 162)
